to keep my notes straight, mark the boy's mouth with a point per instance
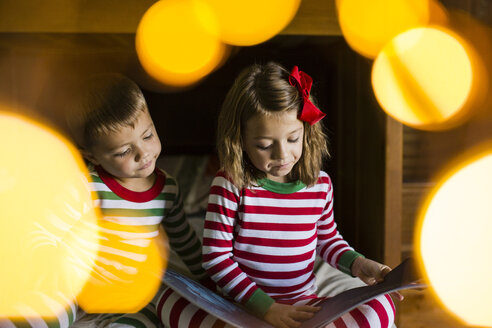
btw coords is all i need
(146, 165)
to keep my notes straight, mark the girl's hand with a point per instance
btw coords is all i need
(289, 316)
(371, 272)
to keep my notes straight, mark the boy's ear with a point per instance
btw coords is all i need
(88, 156)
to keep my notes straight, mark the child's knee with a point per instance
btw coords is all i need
(379, 312)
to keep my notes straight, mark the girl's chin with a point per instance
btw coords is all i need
(277, 177)
(281, 171)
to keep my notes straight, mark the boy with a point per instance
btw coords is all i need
(116, 135)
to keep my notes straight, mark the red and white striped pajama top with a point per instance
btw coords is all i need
(260, 242)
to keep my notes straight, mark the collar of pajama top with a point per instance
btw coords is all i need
(281, 187)
(130, 195)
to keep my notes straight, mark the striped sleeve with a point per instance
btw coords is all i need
(331, 245)
(218, 237)
(182, 237)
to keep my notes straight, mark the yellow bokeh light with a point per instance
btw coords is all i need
(454, 238)
(128, 271)
(48, 226)
(246, 23)
(174, 45)
(369, 25)
(425, 78)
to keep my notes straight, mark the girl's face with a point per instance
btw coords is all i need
(130, 153)
(274, 143)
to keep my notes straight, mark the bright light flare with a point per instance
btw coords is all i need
(173, 44)
(453, 233)
(426, 78)
(128, 271)
(246, 23)
(48, 225)
(368, 25)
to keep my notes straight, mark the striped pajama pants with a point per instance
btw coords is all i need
(176, 312)
(73, 318)
(64, 313)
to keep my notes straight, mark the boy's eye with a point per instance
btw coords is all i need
(149, 136)
(122, 154)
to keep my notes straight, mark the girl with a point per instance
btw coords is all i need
(271, 207)
(270, 210)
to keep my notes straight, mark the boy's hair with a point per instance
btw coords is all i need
(108, 102)
(265, 90)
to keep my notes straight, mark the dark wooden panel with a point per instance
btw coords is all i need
(186, 119)
(367, 195)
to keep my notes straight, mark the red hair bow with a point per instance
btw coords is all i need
(303, 83)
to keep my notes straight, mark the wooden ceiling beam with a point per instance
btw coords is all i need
(314, 17)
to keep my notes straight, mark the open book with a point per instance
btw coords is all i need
(404, 276)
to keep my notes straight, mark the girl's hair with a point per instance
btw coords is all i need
(265, 90)
(107, 103)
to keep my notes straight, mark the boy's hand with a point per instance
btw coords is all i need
(371, 272)
(289, 316)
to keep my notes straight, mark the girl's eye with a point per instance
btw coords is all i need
(149, 136)
(263, 147)
(294, 140)
(122, 154)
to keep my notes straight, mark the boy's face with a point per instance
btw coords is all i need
(274, 143)
(129, 152)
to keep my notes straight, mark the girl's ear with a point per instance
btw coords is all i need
(88, 156)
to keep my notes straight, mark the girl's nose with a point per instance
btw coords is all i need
(279, 151)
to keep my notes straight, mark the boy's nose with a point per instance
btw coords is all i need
(141, 154)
